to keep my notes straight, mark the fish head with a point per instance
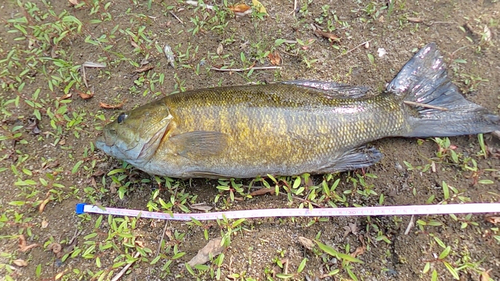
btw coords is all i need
(135, 136)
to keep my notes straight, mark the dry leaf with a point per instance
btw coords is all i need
(167, 50)
(486, 34)
(33, 126)
(23, 247)
(65, 97)
(195, 3)
(20, 262)
(45, 223)
(93, 183)
(485, 275)
(113, 187)
(144, 69)
(86, 96)
(112, 106)
(169, 234)
(359, 251)
(61, 274)
(262, 191)
(275, 58)
(414, 20)
(240, 8)
(220, 48)
(73, 2)
(201, 207)
(42, 205)
(134, 44)
(330, 36)
(306, 242)
(260, 8)
(212, 249)
(493, 220)
(352, 228)
(308, 44)
(381, 52)
(56, 248)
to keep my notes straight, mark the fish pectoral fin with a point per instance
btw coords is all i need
(332, 89)
(199, 144)
(356, 158)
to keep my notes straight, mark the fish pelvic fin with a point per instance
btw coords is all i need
(356, 158)
(433, 104)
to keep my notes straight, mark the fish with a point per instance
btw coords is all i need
(292, 127)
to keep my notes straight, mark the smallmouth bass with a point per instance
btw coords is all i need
(292, 127)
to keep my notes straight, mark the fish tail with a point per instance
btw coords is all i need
(433, 105)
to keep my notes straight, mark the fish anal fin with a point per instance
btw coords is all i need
(360, 157)
(199, 144)
(332, 89)
(205, 174)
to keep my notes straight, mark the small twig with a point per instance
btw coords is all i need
(161, 239)
(425, 105)
(294, 7)
(353, 49)
(119, 275)
(442, 22)
(410, 225)
(89, 64)
(77, 233)
(84, 77)
(245, 69)
(453, 54)
(176, 17)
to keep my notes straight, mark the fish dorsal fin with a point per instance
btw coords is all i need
(199, 144)
(331, 89)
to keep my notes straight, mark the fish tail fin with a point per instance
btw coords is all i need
(434, 106)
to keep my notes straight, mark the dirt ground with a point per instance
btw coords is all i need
(48, 124)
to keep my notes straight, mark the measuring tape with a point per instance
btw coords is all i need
(473, 208)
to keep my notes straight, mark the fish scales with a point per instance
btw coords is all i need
(292, 127)
(267, 123)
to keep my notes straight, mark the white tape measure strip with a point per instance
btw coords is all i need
(472, 208)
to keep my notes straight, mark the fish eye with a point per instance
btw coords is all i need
(122, 118)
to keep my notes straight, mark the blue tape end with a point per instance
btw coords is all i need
(80, 208)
